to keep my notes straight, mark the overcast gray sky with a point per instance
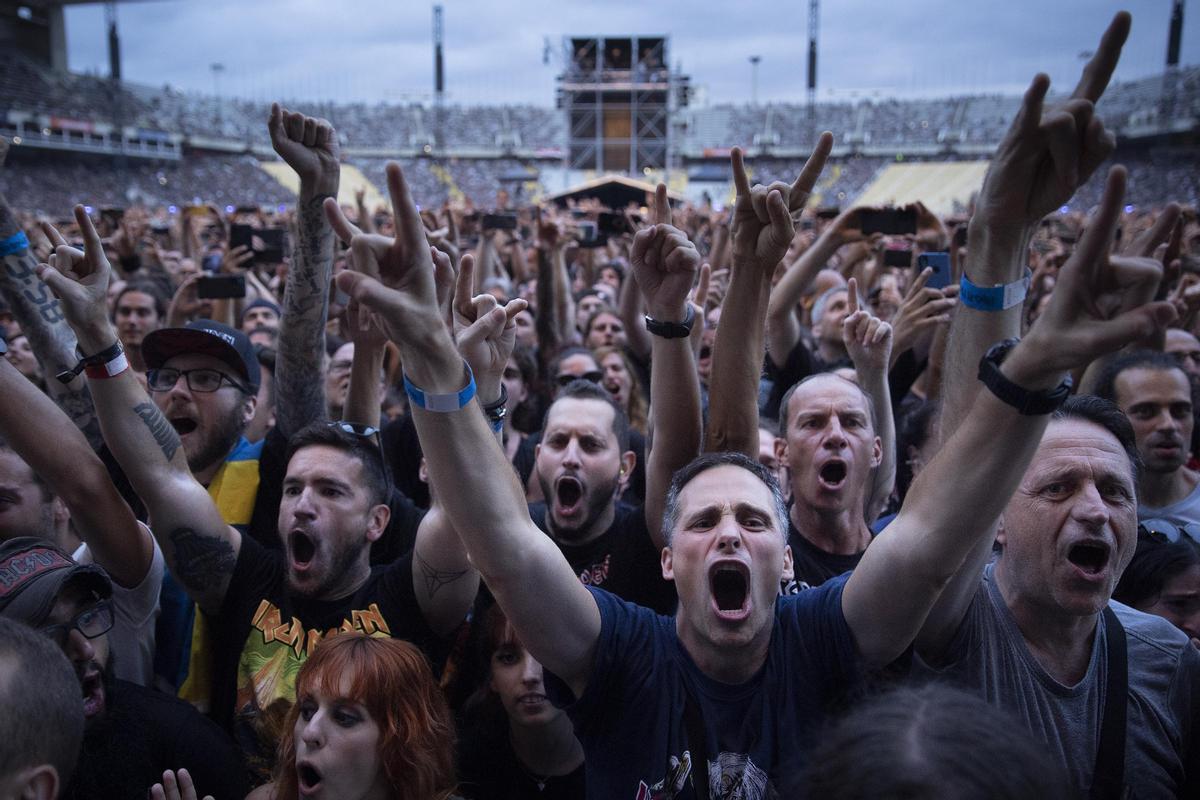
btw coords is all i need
(377, 50)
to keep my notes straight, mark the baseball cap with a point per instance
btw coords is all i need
(33, 572)
(205, 337)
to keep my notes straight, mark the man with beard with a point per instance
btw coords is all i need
(266, 609)
(729, 692)
(1153, 390)
(584, 460)
(131, 733)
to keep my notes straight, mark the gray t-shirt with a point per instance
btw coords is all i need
(988, 655)
(1182, 513)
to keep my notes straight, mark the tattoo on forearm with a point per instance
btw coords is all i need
(164, 435)
(37, 311)
(79, 407)
(301, 398)
(201, 562)
(437, 579)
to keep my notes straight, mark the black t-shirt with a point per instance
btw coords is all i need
(145, 732)
(812, 565)
(264, 633)
(489, 770)
(622, 560)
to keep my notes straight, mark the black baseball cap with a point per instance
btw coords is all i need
(32, 574)
(205, 337)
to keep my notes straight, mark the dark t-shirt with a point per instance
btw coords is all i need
(623, 560)
(145, 732)
(489, 770)
(264, 633)
(758, 734)
(812, 565)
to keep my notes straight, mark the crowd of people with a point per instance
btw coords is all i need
(483, 499)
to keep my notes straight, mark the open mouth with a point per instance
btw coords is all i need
(1089, 557)
(303, 548)
(730, 586)
(308, 776)
(92, 689)
(568, 493)
(833, 473)
(184, 425)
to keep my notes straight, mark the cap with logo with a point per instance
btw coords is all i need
(32, 574)
(204, 337)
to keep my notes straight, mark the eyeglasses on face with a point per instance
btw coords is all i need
(592, 376)
(198, 380)
(95, 620)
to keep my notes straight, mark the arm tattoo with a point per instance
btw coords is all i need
(201, 562)
(164, 435)
(79, 407)
(299, 398)
(435, 578)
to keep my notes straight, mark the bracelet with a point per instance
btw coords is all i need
(994, 298)
(672, 330)
(102, 360)
(14, 244)
(441, 402)
(109, 369)
(497, 411)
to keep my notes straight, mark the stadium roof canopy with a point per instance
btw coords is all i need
(614, 191)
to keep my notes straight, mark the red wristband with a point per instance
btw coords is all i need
(109, 369)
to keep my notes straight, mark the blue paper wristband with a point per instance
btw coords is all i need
(441, 402)
(14, 244)
(994, 298)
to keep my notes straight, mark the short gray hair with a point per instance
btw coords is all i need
(709, 461)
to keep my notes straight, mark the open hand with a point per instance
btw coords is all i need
(175, 786)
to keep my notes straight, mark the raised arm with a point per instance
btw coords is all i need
(761, 230)
(559, 621)
(39, 314)
(869, 343)
(1044, 158)
(783, 329)
(200, 549)
(664, 263)
(956, 500)
(72, 470)
(310, 147)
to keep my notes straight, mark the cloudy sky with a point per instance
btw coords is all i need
(379, 50)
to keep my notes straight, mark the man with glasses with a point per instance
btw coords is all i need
(1155, 393)
(131, 734)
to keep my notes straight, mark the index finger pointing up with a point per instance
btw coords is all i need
(807, 178)
(1100, 68)
(852, 295)
(662, 206)
(740, 182)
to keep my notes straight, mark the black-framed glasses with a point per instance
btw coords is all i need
(95, 620)
(593, 376)
(366, 432)
(198, 380)
(1164, 531)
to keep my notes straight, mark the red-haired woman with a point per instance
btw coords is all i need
(369, 723)
(516, 744)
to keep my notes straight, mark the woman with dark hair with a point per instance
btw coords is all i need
(516, 744)
(621, 381)
(931, 743)
(1164, 579)
(369, 722)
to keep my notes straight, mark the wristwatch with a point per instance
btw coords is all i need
(1023, 400)
(673, 330)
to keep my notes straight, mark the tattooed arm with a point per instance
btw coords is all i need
(310, 147)
(200, 549)
(40, 317)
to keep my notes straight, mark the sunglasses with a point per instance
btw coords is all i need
(595, 376)
(366, 432)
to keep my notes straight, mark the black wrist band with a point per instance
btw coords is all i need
(495, 410)
(673, 330)
(1023, 400)
(103, 357)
